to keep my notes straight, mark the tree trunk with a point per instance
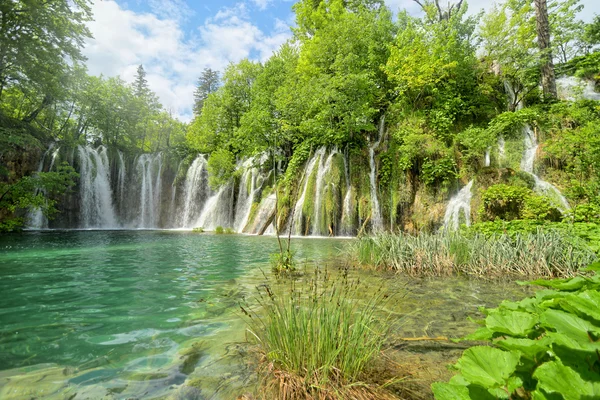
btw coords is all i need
(543, 33)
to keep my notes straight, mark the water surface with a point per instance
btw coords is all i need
(155, 314)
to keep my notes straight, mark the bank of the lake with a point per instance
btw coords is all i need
(155, 314)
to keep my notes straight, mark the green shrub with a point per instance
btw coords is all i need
(229, 231)
(509, 202)
(503, 202)
(543, 347)
(584, 213)
(540, 208)
(219, 230)
(198, 229)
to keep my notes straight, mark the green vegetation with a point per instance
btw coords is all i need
(540, 253)
(542, 347)
(198, 229)
(317, 340)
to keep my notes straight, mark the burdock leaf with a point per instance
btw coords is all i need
(488, 366)
(447, 391)
(571, 328)
(514, 323)
(587, 303)
(554, 377)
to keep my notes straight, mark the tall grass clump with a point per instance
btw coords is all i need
(317, 339)
(542, 253)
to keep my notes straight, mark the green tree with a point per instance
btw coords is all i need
(38, 38)
(207, 83)
(40, 190)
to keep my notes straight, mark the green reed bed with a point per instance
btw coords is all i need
(547, 254)
(317, 340)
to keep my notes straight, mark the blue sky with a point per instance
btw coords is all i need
(176, 39)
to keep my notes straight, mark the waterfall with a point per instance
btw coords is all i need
(297, 216)
(571, 88)
(375, 210)
(501, 148)
(121, 177)
(246, 194)
(487, 161)
(97, 209)
(461, 202)
(347, 206)
(217, 210)
(195, 192)
(149, 169)
(324, 167)
(527, 162)
(263, 223)
(35, 216)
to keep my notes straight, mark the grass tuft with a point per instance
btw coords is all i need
(317, 340)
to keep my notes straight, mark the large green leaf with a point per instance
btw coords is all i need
(447, 391)
(587, 303)
(562, 284)
(533, 349)
(488, 366)
(553, 377)
(514, 323)
(482, 333)
(570, 329)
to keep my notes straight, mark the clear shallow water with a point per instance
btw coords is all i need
(155, 314)
(117, 309)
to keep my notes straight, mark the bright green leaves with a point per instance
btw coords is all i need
(547, 347)
(447, 391)
(586, 303)
(513, 323)
(554, 377)
(487, 366)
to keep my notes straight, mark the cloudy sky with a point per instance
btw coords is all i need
(176, 39)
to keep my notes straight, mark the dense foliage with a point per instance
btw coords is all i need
(542, 347)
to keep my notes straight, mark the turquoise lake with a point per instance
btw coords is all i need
(156, 314)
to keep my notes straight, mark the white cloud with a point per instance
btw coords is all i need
(124, 39)
(261, 4)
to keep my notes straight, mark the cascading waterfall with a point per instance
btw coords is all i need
(217, 210)
(347, 206)
(297, 216)
(97, 210)
(527, 162)
(35, 217)
(459, 204)
(501, 148)
(487, 161)
(195, 192)
(249, 187)
(262, 224)
(571, 88)
(375, 210)
(324, 167)
(121, 177)
(149, 169)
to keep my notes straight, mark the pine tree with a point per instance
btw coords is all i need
(140, 85)
(207, 84)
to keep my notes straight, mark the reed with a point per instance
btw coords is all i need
(539, 254)
(317, 340)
